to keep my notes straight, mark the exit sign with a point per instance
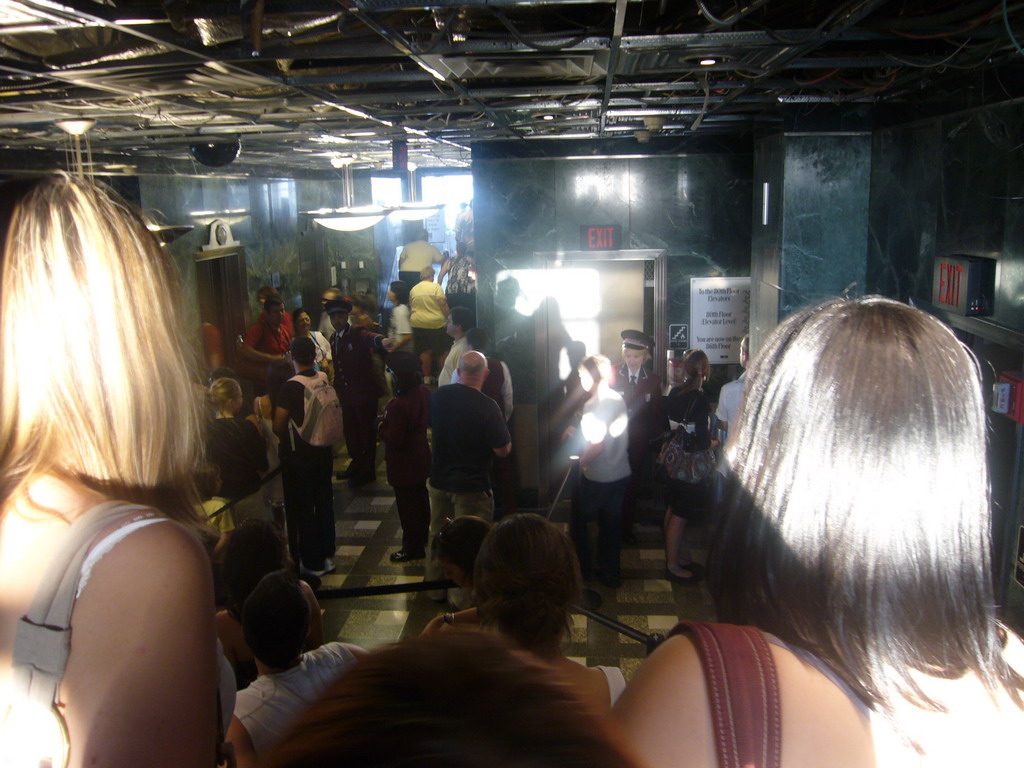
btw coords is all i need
(607, 237)
(964, 284)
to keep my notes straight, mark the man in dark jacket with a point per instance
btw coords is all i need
(358, 390)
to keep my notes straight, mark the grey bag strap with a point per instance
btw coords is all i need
(42, 639)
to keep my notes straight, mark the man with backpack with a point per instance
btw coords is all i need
(308, 421)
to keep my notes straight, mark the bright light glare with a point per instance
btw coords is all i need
(32, 735)
(349, 223)
(593, 428)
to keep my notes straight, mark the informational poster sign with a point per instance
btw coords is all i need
(719, 316)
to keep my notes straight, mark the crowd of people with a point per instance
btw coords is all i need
(854, 585)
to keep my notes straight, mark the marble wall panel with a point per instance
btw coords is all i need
(824, 228)
(590, 192)
(946, 186)
(903, 212)
(766, 238)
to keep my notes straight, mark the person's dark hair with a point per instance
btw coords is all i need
(207, 479)
(477, 340)
(459, 541)
(597, 366)
(222, 372)
(267, 291)
(366, 302)
(463, 317)
(838, 535)
(275, 619)
(451, 700)
(271, 302)
(303, 350)
(696, 369)
(407, 380)
(401, 291)
(255, 548)
(526, 580)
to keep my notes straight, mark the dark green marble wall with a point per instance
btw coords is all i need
(950, 185)
(694, 204)
(812, 240)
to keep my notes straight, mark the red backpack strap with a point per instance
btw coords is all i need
(743, 693)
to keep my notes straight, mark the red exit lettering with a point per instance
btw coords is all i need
(601, 237)
(949, 284)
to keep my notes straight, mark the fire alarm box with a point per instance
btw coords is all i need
(1008, 395)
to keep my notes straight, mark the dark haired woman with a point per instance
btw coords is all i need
(456, 546)
(403, 429)
(526, 580)
(867, 574)
(688, 409)
(399, 327)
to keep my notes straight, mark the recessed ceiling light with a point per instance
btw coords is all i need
(548, 117)
(708, 62)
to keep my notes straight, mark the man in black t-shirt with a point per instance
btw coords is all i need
(468, 430)
(306, 472)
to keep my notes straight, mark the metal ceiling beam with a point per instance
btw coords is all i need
(405, 46)
(613, 58)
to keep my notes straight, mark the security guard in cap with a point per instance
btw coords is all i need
(641, 389)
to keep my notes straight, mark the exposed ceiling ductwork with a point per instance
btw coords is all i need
(306, 82)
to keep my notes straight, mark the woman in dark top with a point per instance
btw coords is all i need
(237, 447)
(688, 502)
(403, 429)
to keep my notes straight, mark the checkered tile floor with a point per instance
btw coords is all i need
(368, 531)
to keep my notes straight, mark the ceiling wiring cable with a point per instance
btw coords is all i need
(1009, 30)
(817, 80)
(725, 23)
(976, 23)
(507, 23)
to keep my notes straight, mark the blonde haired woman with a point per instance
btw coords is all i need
(139, 683)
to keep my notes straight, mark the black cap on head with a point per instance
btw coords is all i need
(334, 306)
(403, 362)
(636, 340)
(303, 350)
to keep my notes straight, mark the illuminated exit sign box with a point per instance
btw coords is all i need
(603, 237)
(964, 284)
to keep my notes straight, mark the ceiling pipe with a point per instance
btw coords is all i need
(403, 45)
(613, 62)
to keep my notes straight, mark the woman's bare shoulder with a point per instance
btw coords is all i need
(665, 712)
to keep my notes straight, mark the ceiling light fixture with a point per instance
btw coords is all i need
(349, 219)
(708, 62)
(76, 127)
(548, 117)
(414, 211)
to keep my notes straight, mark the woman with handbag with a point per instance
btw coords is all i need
(857, 573)
(685, 465)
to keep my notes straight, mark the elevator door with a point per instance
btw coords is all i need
(543, 316)
(223, 299)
